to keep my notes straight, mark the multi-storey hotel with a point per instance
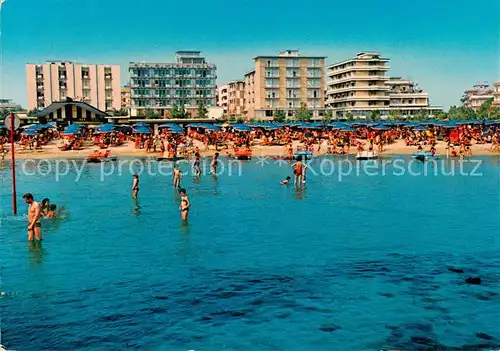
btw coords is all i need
(236, 98)
(496, 94)
(222, 93)
(358, 85)
(159, 86)
(477, 96)
(408, 99)
(125, 97)
(285, 82)
(361, 85)
(97, 85)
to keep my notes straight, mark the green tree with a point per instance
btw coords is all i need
(240, 119)
(327, 117)
(421, 115)
(441, 115)
(349, 116)
(395, 115)
(151, 114)
(374, 115)
(121, 112)
(279, 116)
(303, 114)
(202, 111)
(484, 111)
(178, 111)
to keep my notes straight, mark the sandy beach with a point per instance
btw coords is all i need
(128, 150)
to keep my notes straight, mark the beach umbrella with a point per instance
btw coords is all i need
(347, 129)
(241, 127)
(169, 125)
(141, 124)
(142, 130)
(106, 128)
(419, 128)
(29, 132)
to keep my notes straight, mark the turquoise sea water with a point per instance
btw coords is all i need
(356, 264)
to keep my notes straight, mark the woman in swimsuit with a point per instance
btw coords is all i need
(185, 205)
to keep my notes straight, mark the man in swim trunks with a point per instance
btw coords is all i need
(34, 214)
(215, 163)
(185, 204)
(298, 171)
(135, 186)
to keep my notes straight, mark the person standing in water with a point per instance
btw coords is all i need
(214, 163)
(185, 205)
(177, 177)
(135, 186)
(34, 214)
(196, 164)
(298, 171)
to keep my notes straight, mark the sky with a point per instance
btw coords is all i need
(446, 46)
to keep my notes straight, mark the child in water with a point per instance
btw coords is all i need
(51, 213)
(285, 181)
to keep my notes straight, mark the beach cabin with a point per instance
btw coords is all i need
(69, 111)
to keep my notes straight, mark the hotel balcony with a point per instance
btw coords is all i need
(358, 98)
(357, 88)
(410, 95)
(331, 71)
(332, 81)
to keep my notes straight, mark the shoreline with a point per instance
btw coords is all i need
(128, 150)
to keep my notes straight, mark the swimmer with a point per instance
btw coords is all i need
(286, 180)
(45, 206)
(214, 163)
(51, 213)
(196, 164)
(298, 171)
(185, 205)
(177, 177)
(135, 186)
(34, 213)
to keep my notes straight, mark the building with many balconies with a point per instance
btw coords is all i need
(358, 85)
(285, 82)
(222, 94)
(94, 84)
(236, 98)
(477, 96)
(408, 99)
(160, 86)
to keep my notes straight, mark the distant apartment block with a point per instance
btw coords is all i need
(236, 98)
(222, 95)
(8, 105)
(478, 95)
(160, 86)
(285, 82)
(358, 85)
(361, 85)
(125, 97)
(407, 98)
(496, 94)
(249, 93)
(95, 84)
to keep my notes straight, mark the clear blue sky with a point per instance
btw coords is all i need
(444, 45)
